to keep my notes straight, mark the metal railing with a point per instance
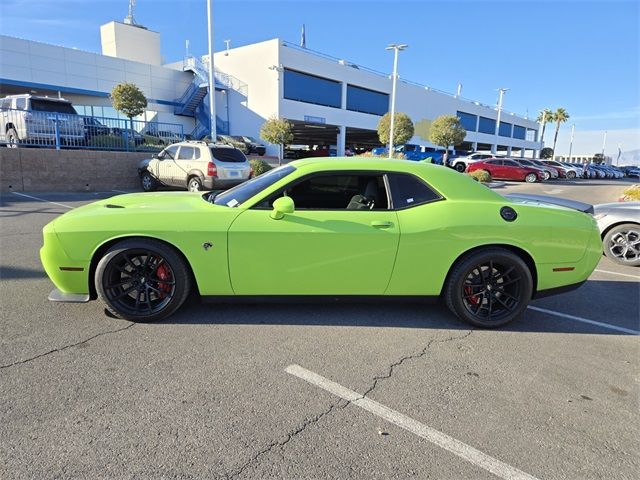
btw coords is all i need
(20, 128)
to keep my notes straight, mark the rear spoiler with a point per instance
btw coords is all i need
(561, 202)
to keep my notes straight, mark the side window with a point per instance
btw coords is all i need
(171, 151)
(196, 152)
(510, 163)
(186, 153)
(494, 162)
(336, 192)
(21, 103)
(408, 191)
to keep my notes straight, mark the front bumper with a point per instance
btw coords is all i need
(70, 276)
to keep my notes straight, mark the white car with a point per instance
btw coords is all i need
(195, 165)
(461, 163)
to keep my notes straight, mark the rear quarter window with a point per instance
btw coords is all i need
(408, 191)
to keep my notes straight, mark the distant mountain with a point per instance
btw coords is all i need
(631, 157)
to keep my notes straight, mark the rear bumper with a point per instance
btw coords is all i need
(217, 183)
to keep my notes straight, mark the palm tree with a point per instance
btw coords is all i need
(560, 116)
(544, 117)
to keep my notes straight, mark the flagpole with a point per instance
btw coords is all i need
(604, 142)
(619, 154)
(573, 129)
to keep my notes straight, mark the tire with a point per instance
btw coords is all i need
(131, 268)
(148, 183)
(194, 184)
(531, 178)
(621, 244)
(13, 141)
(571, 175)
(546, 175)
(509, 287)
(460, 167)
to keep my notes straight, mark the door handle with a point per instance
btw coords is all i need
(381, 224)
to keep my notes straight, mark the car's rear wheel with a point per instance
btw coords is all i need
(148, 183)
(489, 288)
(531, 178)
(460, 167)
(571, 174)
(622, 244)
(194, 184)
(12, 138)
(142, 280)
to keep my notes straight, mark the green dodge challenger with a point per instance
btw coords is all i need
(348, 228)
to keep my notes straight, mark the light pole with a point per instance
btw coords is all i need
(396, 48)
(543, 123)
(494, 149)
(573, 129)
(604, 142)
(212, 86)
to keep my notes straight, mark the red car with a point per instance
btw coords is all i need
(505, 169)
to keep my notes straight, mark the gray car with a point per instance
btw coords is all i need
(620, 230)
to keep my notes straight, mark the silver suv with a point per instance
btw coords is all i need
(37, 120)
(195, 165)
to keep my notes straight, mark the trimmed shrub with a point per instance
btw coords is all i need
(631, 194)
(259, 166)
(480, 176)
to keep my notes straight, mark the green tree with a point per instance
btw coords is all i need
(128, 99)
(546, 153)
(547, 115)
(559, 116)
(403, 128)
(447, 131)
(278, 131)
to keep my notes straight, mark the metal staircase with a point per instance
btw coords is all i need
(192, 104)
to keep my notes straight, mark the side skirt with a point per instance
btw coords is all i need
(319, 299)
(558, 290)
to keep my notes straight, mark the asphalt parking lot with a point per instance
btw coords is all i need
(314, 391)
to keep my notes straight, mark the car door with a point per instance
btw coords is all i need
(165, 165)
(494, 167)
(183, 164)
(512, 170)
(330, 245)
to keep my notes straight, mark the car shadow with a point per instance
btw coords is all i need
(614, 303)
(15, 273)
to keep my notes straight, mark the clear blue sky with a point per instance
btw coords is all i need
(580, 55)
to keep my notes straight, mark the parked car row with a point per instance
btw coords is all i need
(247, 145)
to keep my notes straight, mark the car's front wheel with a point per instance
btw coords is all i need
(460, 167)
(489, 288)
(622, 244)
(531, 178)
(13, 141)
(571, 175)
(148, 183)
(142, 280)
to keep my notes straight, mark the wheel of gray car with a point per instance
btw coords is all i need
(12, 138)
(531, 178)
(546, 175)
(622, 244)
(194, 184)
(460, 167)
(142, 280)
(148, 183)
(571, 174)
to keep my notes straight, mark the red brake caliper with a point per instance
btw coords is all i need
(469, 291)
(163, 274)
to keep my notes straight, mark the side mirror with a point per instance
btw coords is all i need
(281, 206)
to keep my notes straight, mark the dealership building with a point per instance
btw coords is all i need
(330, 101)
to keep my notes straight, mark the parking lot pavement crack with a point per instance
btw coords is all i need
(290, 435)
(66, 347)
(406, 358)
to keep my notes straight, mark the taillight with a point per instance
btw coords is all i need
(212, 171)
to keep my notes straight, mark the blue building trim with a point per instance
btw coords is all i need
(77, 91)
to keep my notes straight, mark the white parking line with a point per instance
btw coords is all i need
(119, 191)
(585, 320)
(432, 435)
(616, 273)
(41, 199)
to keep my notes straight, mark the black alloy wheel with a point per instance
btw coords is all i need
(489, 288)
(142, 280)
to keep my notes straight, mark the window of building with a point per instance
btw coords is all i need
(311, 89)
(519, 132)
(367, 101)
(467, 121)
(487, 125)
(505, 129)
(532, 135)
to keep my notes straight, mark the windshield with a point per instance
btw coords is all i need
(38, 105)
(241, 193)
(251, 140)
